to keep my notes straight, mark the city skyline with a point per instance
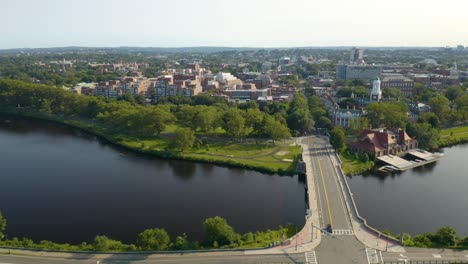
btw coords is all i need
(260, 23)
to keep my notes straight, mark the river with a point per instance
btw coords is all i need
(63, 185)
(418, 200)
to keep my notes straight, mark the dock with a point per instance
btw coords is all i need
(396, 163)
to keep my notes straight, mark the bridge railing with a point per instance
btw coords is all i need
(349, 194)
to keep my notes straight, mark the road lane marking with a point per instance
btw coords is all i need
(436, 255)
(326, 193)
(343, 232)
(311, 258)
(372, 257)
(381, 258)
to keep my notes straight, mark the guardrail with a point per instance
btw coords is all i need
(356, 211)
(138, 252)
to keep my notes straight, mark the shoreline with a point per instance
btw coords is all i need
(162, 154)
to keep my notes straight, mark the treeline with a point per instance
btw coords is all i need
(276, 121)
(217, 234)
(445, 237)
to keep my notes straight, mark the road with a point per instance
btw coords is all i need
(342, 246)
(170, 258)
(349, 243)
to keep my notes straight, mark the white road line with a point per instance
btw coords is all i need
(372, 257)
(340, 190)
(344, 232)
(311, 258)
(436, 255)
(381, 258)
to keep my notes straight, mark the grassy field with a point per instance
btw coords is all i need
(278, 157)
(353, 166)
(454, 135)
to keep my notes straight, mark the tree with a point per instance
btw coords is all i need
(216, 229)
(453, 93)
(337, 139)
(392, 93)
(103, 243)
(446, 236)
(439, 103)
(387, 114)
(154, 239)
(274, 129)
(427, 136)
(184, 138)
(3, 223)
(234, 124)
(182, 242)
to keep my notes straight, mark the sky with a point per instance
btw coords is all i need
(233, 23)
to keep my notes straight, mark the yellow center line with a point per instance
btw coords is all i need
(326, 193)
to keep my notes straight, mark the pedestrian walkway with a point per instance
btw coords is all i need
(310, 257)
(343, 232)
(372, 256)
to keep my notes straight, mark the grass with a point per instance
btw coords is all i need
(454, 135)
(353, 166)
(279, 157)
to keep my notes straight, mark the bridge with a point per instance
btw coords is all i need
(330, 201)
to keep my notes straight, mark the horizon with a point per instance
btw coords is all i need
(255, 24)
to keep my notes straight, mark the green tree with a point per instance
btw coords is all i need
(274, 129)
(387, 114)
(453, 93)
(392, 93)
(184, 138)
(154, 239)
(446, 236)
(439, 104)
(216, 229)
(427, 136)
(3, 223)
(103, 243)
(337, 139)
(182, 242)
(234, 124)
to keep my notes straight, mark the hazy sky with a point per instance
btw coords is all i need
(254, 23)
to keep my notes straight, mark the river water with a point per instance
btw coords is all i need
(419, 200)
(63, 185)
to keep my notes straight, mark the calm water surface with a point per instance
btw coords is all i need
(419, 200)
(59, 184)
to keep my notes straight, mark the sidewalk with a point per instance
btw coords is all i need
(309, 237)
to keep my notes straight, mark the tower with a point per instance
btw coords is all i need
(376, 93)
(357, 56)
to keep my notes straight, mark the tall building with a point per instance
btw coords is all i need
(357, 68)
(376, 93)
(357, 57)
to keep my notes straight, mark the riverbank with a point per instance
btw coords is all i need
(453, 136)
(280, 157)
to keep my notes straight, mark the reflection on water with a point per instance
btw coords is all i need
(64, 185)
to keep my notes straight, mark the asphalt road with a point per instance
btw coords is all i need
(175, 258)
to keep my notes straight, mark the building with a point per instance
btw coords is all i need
(167, 86)
(357, 72)
(357, 57)
(380, 142)
(243, 95)
(343, 117)
(376, 93)
(405, 84)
